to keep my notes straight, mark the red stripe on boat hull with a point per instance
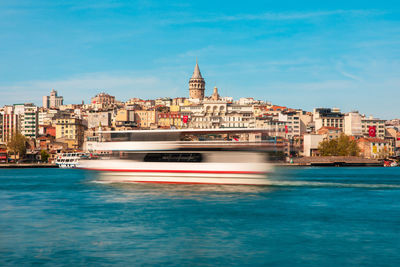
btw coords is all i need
(177, 171)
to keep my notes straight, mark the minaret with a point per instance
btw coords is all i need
(197, 85)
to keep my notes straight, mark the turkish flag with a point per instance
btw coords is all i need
(185, 119)
(372, 131)
(286, 129)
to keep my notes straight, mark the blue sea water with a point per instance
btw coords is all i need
(307, 217)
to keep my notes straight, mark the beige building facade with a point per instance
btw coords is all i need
(145, 118)
(70, 131)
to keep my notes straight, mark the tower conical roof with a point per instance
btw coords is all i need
(196, 72)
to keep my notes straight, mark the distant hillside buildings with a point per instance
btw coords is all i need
(52, 101)
(57, 127)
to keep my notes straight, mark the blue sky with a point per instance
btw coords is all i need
(302, 54)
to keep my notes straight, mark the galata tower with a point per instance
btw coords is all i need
(197, 85)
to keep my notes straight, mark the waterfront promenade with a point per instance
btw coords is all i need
(26, 165)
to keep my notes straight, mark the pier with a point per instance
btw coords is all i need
(339, 161)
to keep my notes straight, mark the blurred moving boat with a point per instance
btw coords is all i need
(176, 162)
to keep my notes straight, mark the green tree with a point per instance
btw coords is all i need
(17, 145)
(341, 146)
(44, 155)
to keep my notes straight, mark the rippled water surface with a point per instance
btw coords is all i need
(307, 217)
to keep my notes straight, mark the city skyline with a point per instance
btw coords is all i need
(302, 57)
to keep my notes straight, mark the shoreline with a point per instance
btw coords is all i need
(278, 164)
(26, 165)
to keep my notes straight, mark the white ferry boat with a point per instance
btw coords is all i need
(177, 162)
(69, 160)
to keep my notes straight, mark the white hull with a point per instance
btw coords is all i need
(64, 166)
(68, 160)
(191, 173)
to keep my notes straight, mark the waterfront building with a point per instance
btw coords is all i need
(329, 133)
(46, 117)
(27, 119)
(96, 119)
(292, 122)
(19, 118)
(213, 114)
(125, 118)
(352, 124)
(271, 124)
(47, 130)
(145, 118)
(394, 122)
(306, 122)
(311, 143)
(43, 142)
(197, 85)
(30, 121)
(374, 147)
(171, 120)
(379, 125)
(393, 134)
(328, 117)
(10, 122)
(1, 126)
(238, 116)
(70, 131)
(52, 101)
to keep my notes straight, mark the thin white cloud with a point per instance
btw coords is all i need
(351, 76)
(270, 16)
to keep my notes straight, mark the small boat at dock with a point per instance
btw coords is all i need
(69, 160)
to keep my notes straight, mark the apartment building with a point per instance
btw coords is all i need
(328, 117)
(29, 120)
(52, 101)
(379, 125)
(292, 122)
(70, 131)
(352, 124)
(96, 119)
(374, 147)
(145, 118)
(172, 120)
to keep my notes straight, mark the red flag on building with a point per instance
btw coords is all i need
(286, 129)
(185, 119)
(372, 131)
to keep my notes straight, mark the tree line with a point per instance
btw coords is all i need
(342, 146)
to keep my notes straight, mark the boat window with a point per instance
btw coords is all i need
(173, 157)
(133, 156)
